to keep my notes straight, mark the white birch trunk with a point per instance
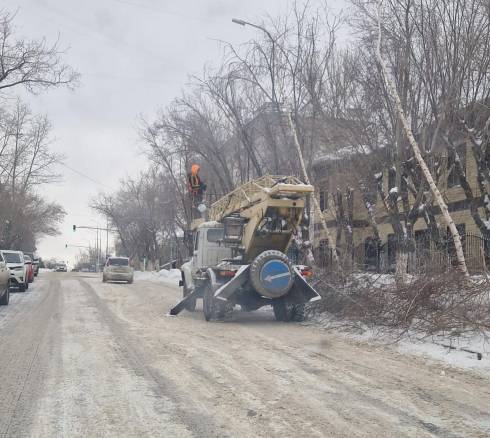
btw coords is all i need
(316, 204)
(401, 276)
(418, 156)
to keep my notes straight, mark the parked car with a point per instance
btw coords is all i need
(29, 268)
(118, 269)
(4, 282)
(18, 271)
(61, 267)
(35, 262)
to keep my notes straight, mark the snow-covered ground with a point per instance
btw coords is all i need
(461, 352)
(170, 277)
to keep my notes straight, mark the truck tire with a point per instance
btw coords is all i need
(261, 281)
(286, 312)
(190, 305)
(214, 309)
(22, 287)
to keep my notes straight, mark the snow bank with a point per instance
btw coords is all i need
(460, 352)
(170, 277)
(41, 270)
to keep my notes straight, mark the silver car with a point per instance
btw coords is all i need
(4, 282)
(118, 269)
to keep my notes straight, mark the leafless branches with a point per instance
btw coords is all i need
(34, 64)
(145, 212)
(426, 305)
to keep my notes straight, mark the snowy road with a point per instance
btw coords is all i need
(82, 358)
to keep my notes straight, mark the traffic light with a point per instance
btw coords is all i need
(74, 228)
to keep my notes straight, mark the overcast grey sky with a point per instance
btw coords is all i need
(134, 57)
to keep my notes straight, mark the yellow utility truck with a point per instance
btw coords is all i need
(239, 253)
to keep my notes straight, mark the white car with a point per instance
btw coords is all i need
(118, 269)
(4, 282)
(18, 271)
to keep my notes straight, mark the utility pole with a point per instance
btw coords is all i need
(98, 245)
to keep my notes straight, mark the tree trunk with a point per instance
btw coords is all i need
(418, 156)
(316, 204)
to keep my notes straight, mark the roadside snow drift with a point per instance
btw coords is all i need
(170, 277)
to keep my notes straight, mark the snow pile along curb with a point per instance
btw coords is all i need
(170, 277)
(464, 352)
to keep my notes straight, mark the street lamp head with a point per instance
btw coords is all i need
(238, 21)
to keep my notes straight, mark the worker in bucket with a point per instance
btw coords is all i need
(196, 185)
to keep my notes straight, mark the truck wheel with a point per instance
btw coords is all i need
(214, 309)
(190, 305)
(284, 311)
(271, 274)
(22, 287)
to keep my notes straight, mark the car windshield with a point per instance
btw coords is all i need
(12, 257)
(118, 262)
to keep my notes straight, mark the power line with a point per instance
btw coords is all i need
(84, 175)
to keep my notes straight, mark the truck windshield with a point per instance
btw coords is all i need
(12, 257)
(215, 234)
(118, 262)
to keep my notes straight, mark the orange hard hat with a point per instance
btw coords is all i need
(195, 168)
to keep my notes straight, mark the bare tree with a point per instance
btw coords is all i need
(26, 163)
(34, 65)
(145, 214)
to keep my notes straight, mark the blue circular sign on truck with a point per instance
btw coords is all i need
(275, 275)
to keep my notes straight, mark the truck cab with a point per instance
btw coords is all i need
(208, 251)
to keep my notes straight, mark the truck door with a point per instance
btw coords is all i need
(197, 255)
(215, 250)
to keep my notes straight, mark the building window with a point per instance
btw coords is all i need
(371, 194)
(422, 240)
(371, 254)
(391, 178)
(453, 177)
(323, 200)
(323, 253)
(392, 249)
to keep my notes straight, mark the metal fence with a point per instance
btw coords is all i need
(423, 255)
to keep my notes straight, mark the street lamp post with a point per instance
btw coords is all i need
(273, 57)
